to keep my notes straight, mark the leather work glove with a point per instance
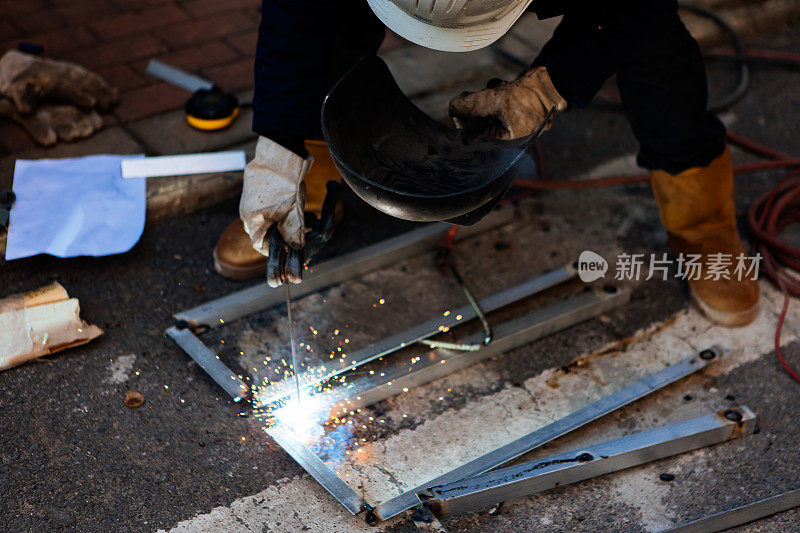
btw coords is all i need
(512, 110)
(274, 195)
(27, 79)
(51, 122)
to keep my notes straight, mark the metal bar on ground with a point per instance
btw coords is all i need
(741, 515)
(318, 469)
(590, 461)
(210, 362)
(602, 302)
(369, 389)
(259, 297)
(571, 422)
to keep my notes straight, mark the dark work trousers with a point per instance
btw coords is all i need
(304, 46)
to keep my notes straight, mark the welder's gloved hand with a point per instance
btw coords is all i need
(274, 194)
(50, 123)
(27, 79)
(510, 110)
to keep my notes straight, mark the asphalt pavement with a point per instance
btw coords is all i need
(73, 456)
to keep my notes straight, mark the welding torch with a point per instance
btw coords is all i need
(285, 264)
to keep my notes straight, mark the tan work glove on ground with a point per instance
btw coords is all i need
(42, 94)
(517, 108)
(51, 122)
(27, 79)
(274, 193)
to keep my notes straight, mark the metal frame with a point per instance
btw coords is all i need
(579, 309)
(318, 470)
(259, 297)
(590, 461)
(433, 364)
(560, 427)
(213, 314)
(366, 391)
(210, 362)
(741, 515)
(515, 333)
(500, 456)
(237, 389)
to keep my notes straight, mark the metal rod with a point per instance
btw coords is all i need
(741, 515)
(432, 327)
(210, 362)
(583, 463)
(367, 389)
(556, 429)
(295, 362)
(259, 297)
(318, 469)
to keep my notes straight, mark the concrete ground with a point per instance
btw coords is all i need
(73, 456)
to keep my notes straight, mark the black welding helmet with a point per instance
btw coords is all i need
(406, 164)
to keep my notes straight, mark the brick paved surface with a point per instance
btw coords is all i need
(117, 38)
(213, 38)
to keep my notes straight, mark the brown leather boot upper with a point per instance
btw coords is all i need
(322, 171)
(234, 255)
(699, 213)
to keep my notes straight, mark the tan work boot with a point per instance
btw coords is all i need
(699, 214)
(234, 256)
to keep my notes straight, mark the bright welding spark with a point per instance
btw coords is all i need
(305, 417)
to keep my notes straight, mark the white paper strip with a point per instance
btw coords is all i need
(181, 165)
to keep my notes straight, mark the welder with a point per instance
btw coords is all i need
(304, 46)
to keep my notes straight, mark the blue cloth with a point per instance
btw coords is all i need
(76, 206)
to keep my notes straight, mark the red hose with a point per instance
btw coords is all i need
(767, 215)
(753, 53)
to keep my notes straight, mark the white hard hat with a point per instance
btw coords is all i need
(450, 25)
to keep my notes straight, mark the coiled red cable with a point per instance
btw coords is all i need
(767, 216)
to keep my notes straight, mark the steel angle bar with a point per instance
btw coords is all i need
(259, 297)
(562, 426)
(369, 389)
(318, 469)
(210, 362)
(602, 302)
(583, 463)
(741, 515)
